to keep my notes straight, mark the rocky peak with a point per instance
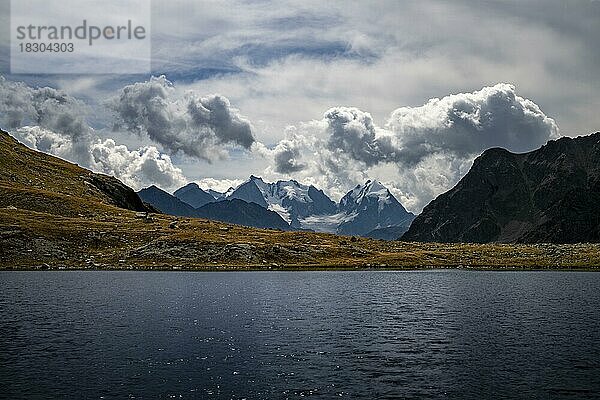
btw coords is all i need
(547, 195)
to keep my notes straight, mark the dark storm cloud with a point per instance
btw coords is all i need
(352, 131)
(196, 126)
(50, 109)
(215, 113)
(287, 157)
(47, 107)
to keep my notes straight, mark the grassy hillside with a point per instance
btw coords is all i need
(54, 214)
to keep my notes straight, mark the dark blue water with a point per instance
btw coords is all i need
(276, 335)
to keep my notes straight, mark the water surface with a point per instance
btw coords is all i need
(271, 335)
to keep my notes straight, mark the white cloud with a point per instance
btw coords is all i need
(287, 156)
(44, 140)
(219, 185)
(138, 168)
(468, 123)
(58, 126)
(274, 62)
(399, 53)
(422, 151)
(50, 109)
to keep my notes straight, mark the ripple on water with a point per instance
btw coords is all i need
(291, 335)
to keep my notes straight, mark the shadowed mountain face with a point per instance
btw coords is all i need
(166, 203)
(193, 195)
(239, 212)
(55, 215)
(250, 193)
(292, 200)
(231, 211)
(548, 195)
(366, 208)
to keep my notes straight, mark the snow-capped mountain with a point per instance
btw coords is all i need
(290, 199)
(371, 207)
(249, 192)
(367, 210)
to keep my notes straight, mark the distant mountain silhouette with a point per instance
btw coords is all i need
(193, 195)
(368, 210)
(548, 195)
(166, 202)
(233, 211)
(249, 192)
(240, 212)
(56, 215)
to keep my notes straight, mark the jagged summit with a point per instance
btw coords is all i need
(370, 189)
(371, 207)
(367, 207)
(290, 199)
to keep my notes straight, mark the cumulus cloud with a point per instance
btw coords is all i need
(462, 124)
(58, 127)
(44, 140)
(215, 113)
(287, 156)
(50, 109)
(137, 168)
(352, 132)
(419, 152)
(16, 103)
(430, 147)
(196, 126)
(46, 107)
(59, 112)
(219, 185)
(468, 123)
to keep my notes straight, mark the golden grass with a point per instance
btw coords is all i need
(113, 240)
(50, 217)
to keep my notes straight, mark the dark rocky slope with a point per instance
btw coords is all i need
(233, 211)
(548, 195)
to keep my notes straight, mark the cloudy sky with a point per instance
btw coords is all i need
(330, 93)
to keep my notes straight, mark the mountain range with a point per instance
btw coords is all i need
(368, 210)
(548, 195)
(54, 214)
(232, 211)
(57, 215)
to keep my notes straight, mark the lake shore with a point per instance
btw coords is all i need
(120, 241)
